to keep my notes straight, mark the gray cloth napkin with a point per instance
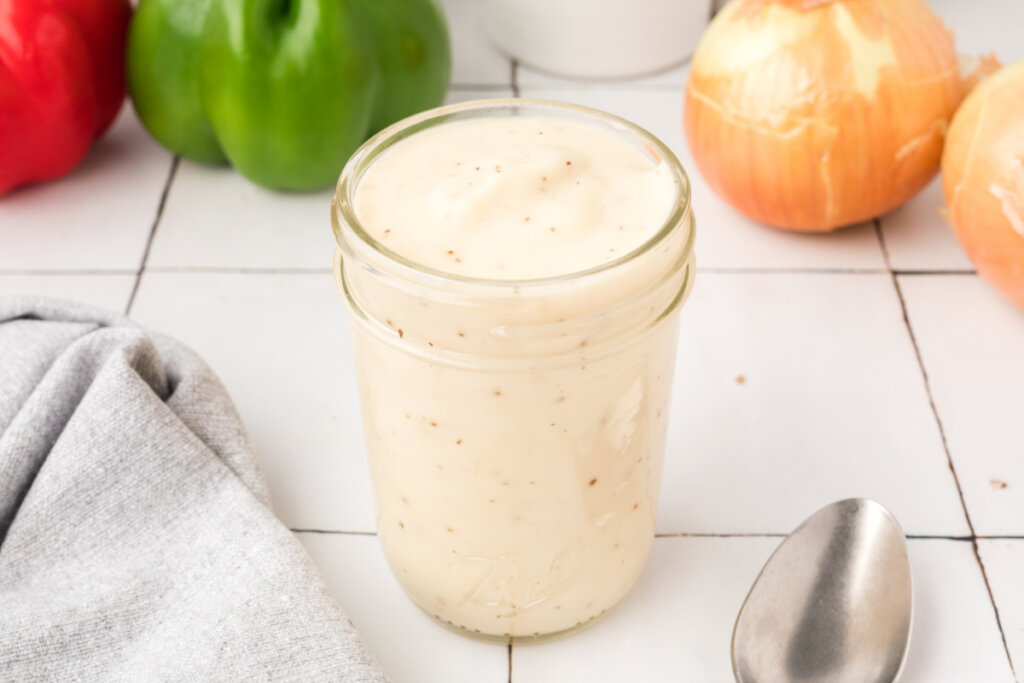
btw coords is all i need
(136, 542)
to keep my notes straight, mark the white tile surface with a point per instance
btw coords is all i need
(971, 342)
(475, 61)
(977, 26)
(672, 78)
(675, 625)
(467, 94)
(832, 405)
(215, 218)
(918, 237)
(280, 344)
(410, 646)
(677, 622)
(955, 637)
(726, 238)
(96, 289)
(96, 218)
(1004, 565)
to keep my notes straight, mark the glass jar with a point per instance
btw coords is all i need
(515, 429)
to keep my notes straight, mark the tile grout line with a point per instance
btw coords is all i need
(300, 270)
(152, 233)
(332, 531)
(705, 534)
(464, 87)
(945, 443)
(607, 86)
(922, 271)
(68, 271)
(514, 77)
(311, 270)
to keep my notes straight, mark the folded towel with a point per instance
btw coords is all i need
(136, 541)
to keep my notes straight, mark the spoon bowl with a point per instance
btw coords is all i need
(833, 603)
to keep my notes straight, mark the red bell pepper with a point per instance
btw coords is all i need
(61, 83)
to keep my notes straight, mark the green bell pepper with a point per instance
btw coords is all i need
(285, 90)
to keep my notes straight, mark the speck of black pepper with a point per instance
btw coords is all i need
(593, 481)
(400, 524)
(401, 334)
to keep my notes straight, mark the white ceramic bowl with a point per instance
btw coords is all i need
(598, 38)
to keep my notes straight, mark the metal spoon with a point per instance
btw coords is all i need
(832, 604)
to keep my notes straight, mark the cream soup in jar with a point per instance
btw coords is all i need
(514, 270)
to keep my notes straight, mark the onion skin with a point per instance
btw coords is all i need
(983, 179)
(815, 114)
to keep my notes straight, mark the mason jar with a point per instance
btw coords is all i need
(515, 429)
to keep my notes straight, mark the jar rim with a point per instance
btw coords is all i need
(350, 234)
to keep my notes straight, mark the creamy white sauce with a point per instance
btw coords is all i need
(520, 198)
(516, 489)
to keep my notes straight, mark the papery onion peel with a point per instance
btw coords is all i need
(983, 179)
(814, 114)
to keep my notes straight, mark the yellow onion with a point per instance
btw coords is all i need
(983, 179)
(814, 114)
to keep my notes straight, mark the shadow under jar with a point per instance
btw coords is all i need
(515, 427)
